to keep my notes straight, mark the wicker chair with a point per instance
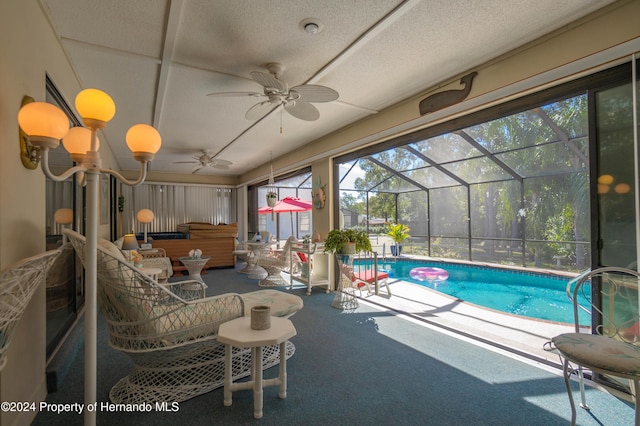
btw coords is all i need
(18, 283)
(168, 330)
(274, 265)
(157, 258)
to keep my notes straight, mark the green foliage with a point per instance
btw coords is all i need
(338, 237)
(398, 232)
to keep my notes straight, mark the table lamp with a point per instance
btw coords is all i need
(129, 242)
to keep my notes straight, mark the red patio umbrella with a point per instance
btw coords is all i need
(288, 204)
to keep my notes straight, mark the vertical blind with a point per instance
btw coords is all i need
(175, 204)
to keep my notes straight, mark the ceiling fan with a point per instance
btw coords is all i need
(296, 100)
(204, 159)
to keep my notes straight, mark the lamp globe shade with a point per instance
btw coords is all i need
(95, 107)
(145, 216)
(78, 141)
(143, 138)
(63, 216)
(43, 122)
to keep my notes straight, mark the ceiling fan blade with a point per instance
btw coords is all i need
(196, 169)
(217, 162)
(268, 81)
(259, 110)
(315, 93)
(219, 166)
(302, 110)
(236, 94)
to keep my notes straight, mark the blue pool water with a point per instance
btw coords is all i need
(522, 293)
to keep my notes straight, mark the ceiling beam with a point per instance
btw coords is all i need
(169, 42)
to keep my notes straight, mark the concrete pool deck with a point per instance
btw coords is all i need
(519, 335)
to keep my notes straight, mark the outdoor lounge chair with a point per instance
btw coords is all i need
(611, 348)
(18, 283)
(274, 265)
(170, 330)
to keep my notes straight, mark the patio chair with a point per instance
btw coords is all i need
(157, 258)
(242, 252)
(18, 283)
(366, 274)
(612, 346)
(274, 264)
(168, 330)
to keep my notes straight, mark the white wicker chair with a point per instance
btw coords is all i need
(18, 283)
(169, 333)
(157, 258)
(274, 265)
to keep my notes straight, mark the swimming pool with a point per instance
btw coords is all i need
(522, 293)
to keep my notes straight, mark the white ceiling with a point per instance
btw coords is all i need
(159, 59)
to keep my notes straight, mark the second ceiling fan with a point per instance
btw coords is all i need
(206, 160)
(296, 100)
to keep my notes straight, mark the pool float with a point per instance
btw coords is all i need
(429, 274)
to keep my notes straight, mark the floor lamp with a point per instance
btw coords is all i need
(145, 216)
(63, 217)
(45, 124)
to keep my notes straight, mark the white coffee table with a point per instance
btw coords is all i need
(238, 333)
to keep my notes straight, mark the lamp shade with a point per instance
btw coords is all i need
(145, 216)
(42, 119)
(94, 104)
(63, 216)
(143, 138)
(129, 242)
(78, 141)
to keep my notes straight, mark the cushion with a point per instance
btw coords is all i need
(369, 276)
(600, 352)
(282, 304)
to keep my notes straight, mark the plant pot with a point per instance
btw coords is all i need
(304, 270)
(271, 201)
(349, 248)
(396, 250)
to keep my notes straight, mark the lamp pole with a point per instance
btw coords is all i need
(45, 125)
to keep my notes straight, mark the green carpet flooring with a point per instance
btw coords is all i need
(362, 367)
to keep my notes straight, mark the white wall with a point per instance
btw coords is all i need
(29, 51)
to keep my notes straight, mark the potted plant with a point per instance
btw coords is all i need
(347, 241)
(398, 233)
(272, 198)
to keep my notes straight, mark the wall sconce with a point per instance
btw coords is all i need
(145, 216)
(63, 217)
(45, 125)
(29, 154)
